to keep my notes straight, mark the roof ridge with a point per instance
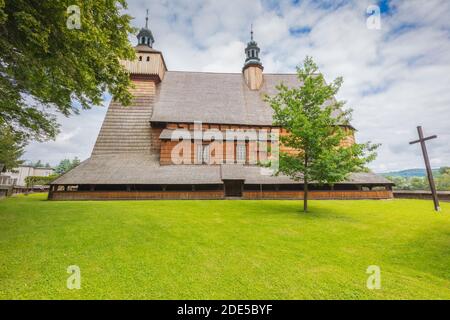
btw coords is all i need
(230, 73)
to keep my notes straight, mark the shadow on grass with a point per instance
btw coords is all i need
(295, 207)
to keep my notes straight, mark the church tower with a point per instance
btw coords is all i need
(126, 129)
(253, 68)
(149, 63)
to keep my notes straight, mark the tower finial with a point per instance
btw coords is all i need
(252, 51)
(145, 36)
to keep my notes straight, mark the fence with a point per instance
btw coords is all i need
(421, 194)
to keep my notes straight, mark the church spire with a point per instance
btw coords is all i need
(252, 52)
(145, 36)
(253, 68)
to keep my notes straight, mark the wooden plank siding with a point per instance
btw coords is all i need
(216, 194)
(166, 146)
(319, 195)
(135, 195)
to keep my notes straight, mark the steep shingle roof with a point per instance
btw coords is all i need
(145, 169)
(216, 98)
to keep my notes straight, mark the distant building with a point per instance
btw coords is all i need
(21, 173)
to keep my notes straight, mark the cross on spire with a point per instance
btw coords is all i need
(145, 36)
(252, 51)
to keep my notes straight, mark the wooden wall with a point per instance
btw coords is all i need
(134, 195)
(166, 146)
(253, 75)
(217, 194)
(140, 66)
(319, 195)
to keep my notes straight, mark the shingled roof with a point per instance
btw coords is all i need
(216, 98)
(145, 169)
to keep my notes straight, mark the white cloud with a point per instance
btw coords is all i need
(395, 78)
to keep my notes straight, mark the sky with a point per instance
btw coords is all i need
(396, 77)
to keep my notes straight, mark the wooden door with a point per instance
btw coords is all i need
(233, 188)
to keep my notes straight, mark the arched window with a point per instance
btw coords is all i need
(148, 58)
(140, 58)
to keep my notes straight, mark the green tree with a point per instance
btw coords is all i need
(443, 180)
(314, 121)
(32, 181)
(46, 66)
(401, 183)
(11, 147)
(38, 164)
(419, 183)
(67, 165)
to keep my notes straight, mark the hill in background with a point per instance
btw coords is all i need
(409, 173)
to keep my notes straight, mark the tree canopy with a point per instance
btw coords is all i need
(66, 165)
(48, 66)
(316, 124)
(11, 147)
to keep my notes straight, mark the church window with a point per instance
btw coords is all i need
(206, 154)
(241, 153)
(203, 156)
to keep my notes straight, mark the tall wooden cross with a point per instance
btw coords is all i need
(428, 166)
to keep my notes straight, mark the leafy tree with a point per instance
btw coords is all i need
(67, 165)
(47, 66)
(419, 183)
(32, 181)
(314, 121)
(401, 183)
(444, 170)
(443, 181)
(11, 147)
(38, 164)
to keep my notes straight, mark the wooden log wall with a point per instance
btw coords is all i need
(216, 194)
(166, 146)
(319, 195)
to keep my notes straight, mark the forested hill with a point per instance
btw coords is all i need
(409, 173)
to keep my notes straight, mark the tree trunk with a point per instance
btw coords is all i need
(305, 186)
(305, 195)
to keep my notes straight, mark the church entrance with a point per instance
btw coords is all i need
(233, 188)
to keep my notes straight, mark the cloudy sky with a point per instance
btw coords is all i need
(395, 78)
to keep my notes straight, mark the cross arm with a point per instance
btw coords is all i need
(424, 139)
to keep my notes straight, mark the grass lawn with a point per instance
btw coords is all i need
(223, 249)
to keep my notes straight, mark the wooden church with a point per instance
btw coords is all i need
(133, 157)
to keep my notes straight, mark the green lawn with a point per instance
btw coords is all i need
(223, 249)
